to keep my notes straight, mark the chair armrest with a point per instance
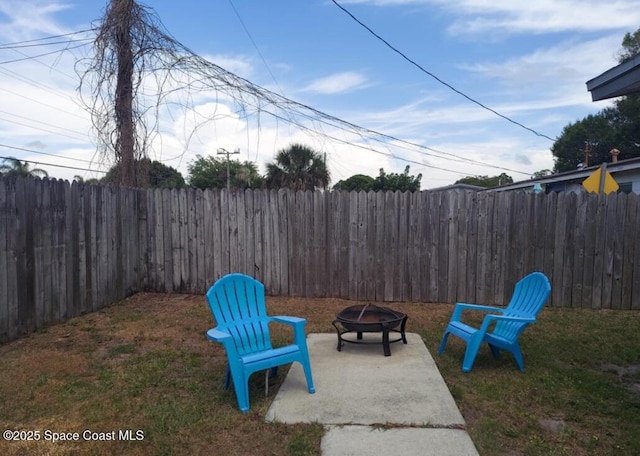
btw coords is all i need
(292, 321)
(460, 306)
(215, 335)
(297, 323)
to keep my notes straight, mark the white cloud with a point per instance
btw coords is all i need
(548, 79)
(338, 83)
(542, 16)
(238, 64)
(27, 19)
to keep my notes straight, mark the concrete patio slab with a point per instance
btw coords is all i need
(359, 385)
(366, 440)
(371, 404)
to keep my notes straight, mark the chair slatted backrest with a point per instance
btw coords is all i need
(238, 306)
(529, 296)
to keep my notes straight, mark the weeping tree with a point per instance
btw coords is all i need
(130, 46)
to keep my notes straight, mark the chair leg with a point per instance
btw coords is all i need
(306, 366)
(473, 345)
(443, 344)
(241, 388)
(268, 374)
(227, 377)
(306, 363)
(243, 400)
(517, 354)
(495, 351)
(242, 394)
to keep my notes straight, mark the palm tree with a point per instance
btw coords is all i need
(13, 167)
(298, 167)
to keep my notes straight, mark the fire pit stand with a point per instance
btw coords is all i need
(370, 318)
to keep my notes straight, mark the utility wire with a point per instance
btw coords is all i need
(264, 61)
(22, 46)
(33, 57)
(323, 118)
(322, 115)
(368, 148)
(51, 37)
(233, 82)
(57, 108)
(41, 123)
(402, 143)
(37, 84)
(51, 164)
(254, 43)
(396, 50)
(42, 129)
(91, 162)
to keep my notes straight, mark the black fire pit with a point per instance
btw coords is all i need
(370, 318)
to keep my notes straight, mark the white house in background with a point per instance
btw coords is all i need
(621, 80)
(625, 172)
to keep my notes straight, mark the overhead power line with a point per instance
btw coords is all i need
(57, 108)
(417, 65)
(253, 42)
(31, 151)
(208, 76)
(22, 46)
(50, 37)
(51, 164)
(33, 57)
(15, 122)
(41, 123)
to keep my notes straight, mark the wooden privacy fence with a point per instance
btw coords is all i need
(64, 251)
(70, 249)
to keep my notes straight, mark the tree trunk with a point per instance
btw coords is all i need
(124, 94)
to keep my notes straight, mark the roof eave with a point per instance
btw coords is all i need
(621, 80)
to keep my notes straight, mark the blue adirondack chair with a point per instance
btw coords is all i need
(529, 296)
(238, 306)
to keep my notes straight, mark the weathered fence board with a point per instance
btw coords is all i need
(635, 274)
(70, 249)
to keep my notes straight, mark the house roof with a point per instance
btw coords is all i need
(623, 79)
(567, 176)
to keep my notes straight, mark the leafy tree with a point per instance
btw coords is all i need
(160, 175)
(486, 181)
(80, 179)
(211, 172)
(163, 176)
(396, 181)
(357, 182)
(297, 167)
(630, 46)
(593, 132)
(542, 173)
(13, 167)
(615, 127)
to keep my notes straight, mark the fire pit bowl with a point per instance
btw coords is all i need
(370, 318)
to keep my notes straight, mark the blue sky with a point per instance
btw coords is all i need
(529, 61)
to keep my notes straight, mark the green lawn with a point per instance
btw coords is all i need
(143, 367)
